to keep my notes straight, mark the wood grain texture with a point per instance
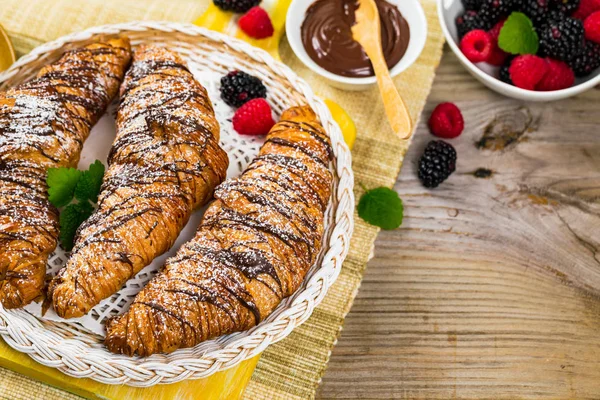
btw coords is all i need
(491, 288)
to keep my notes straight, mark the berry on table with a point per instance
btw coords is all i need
(559, 76)
(476, 46)
(238, 87)
(237, 6)
(592, 27)
(446, 121)
(256, 23)
(586, 8)
(562, 38)
(437, 163)
(253, 118)
(470, 21)
(527, 71)
(588, 61)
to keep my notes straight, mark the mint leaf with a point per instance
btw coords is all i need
(517, 36)
(70, 218)
(61, 185)
(90, 182)
(381, 207)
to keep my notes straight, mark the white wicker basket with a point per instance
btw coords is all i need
(78, 352)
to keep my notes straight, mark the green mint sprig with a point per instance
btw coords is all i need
(381, 207)
(68, 184)
(518, 36)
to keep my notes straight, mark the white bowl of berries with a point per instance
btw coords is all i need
(535, 50)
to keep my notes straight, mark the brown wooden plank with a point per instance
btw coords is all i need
(491, 288)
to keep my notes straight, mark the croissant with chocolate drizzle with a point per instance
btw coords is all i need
(43, 124)
(164, 163)
(253, 248)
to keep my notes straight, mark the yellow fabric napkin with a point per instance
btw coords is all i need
(292, 368)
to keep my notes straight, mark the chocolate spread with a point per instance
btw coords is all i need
(327, 36)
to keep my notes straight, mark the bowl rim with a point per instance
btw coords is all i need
(400, 66)
(513, 91)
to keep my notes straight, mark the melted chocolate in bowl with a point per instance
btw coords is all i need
(327, 37)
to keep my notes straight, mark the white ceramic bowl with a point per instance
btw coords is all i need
(411, 10)
(448, 10)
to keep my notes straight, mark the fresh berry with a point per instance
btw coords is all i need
(497, 56)
(588, 61)
(238, 87)
(437, 163)
(527, 71)
(470, 21)
(586, 8)
(256, 23)
(536, 10)
(559, 76)
(503, 73)
(476, 45)
(493, 11)
(237, 6)
(473, 5)
(253, 118)
(562, 38)
(446, 121)
(567, 7)
(592, 27)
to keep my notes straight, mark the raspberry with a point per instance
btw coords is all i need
(559, 76)
(238, 6)
(589, 60)
(238, 87)
(586, 8)
(527, 71)
(469, 21)
(437, 163)
(497, 56)
(476, 45)
(446, 121)
(562, 38)
(256, 23)
(592, 27)
(253, 118)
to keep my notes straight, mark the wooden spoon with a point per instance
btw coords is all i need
(367, 32)
(7, 52)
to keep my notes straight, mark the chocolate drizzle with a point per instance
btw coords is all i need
(164, 162)
(254, 246)
(43, 124)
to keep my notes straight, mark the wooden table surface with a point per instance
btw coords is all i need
(491, 287)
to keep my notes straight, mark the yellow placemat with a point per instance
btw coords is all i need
(292, 368)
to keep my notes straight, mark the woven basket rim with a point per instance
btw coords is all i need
(25, 333)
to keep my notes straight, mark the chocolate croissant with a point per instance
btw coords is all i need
(252, 249)
(43, 124)
(164, 162)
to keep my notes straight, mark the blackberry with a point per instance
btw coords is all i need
(567, 7)
(469, 21)
(237, 6)
(503, 73)
(437, 163)
(238, 87)
(562, 38)
(472, 5)
(588, 61)
(493, 11)
(536, 10)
